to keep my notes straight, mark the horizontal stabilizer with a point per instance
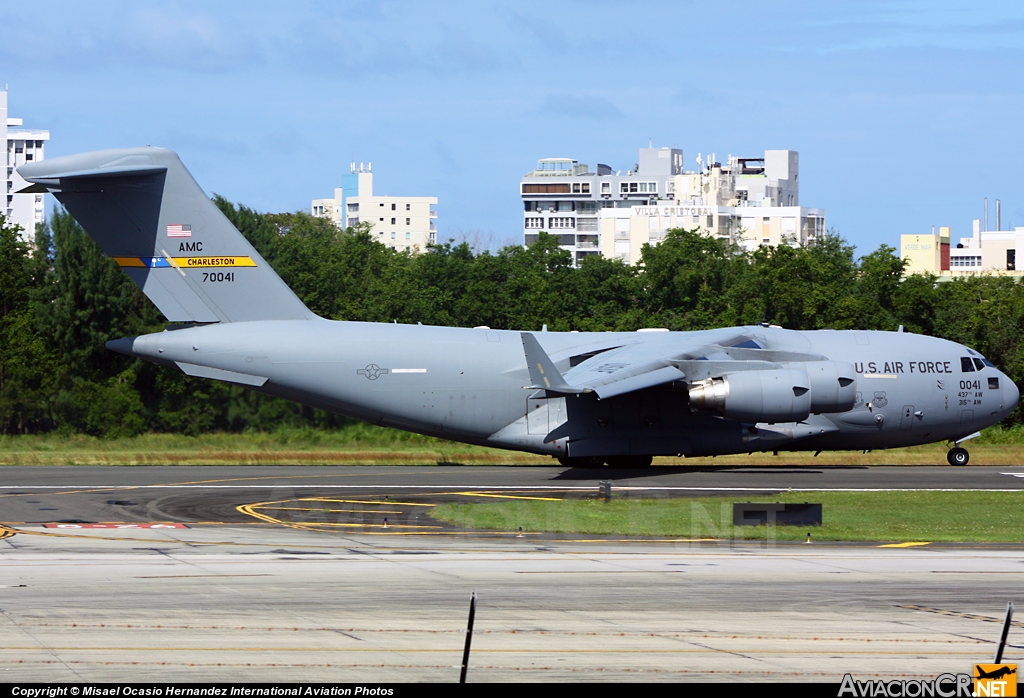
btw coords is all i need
(52, 182)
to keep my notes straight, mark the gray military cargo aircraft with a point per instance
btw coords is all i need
(585, 398)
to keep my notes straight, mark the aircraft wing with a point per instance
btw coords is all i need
(643, 363)
(650, 361)
(633, 367)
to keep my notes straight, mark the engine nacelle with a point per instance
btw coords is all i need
(781, 395)
(833, 385)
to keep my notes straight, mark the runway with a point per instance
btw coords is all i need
(237, 597)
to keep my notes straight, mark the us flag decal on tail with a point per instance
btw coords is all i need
(177, 230)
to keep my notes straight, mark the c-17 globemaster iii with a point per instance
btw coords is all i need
(586, 398)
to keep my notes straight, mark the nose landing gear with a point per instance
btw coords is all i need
(958, 456)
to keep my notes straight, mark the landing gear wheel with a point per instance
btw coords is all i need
(583, 462)
(629, 461)
(958, 456)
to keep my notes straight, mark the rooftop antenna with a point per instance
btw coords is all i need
(986, 214)
(650, 142)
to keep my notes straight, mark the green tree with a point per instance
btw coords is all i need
(89, 302)
(799, 288)
(686, 277)
(878, 290)
(29, 369)
(257, 228)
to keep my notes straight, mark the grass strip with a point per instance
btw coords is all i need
(365, 444)
(890, 516)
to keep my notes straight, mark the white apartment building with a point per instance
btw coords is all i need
(400, 222)
(750, 201)
(23, 145)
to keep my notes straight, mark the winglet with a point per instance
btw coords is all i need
(543, 374)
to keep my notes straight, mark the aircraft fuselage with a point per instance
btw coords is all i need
(471, 385)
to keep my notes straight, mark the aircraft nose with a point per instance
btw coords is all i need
(1010, 394)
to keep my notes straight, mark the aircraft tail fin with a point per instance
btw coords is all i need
(146, 211)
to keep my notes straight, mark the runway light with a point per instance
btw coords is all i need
(808, 536)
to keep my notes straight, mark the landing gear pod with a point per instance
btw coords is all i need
(782, 395)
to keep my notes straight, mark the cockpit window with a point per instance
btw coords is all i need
(966, 365)
(987, 363)
(979, 364)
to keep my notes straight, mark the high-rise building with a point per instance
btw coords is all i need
(400, 222)
(750, 201)
(23, 145)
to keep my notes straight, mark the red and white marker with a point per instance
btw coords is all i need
(112, 525)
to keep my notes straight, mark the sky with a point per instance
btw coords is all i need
(906, 114)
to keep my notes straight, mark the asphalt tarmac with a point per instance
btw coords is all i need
(289, 574)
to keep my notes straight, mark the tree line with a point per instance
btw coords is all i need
(61, 299)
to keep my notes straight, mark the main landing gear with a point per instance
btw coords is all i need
(958, 456)
(612, 461)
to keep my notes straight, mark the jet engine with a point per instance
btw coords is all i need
(780, 395)
(833, 385)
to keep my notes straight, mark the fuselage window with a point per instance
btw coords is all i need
(966, 365)
(993, 383)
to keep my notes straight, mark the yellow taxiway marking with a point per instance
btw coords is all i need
(389, 502)
(910, 544)
(363, 525)
(250, 509)
(350, 511)
(507, 496)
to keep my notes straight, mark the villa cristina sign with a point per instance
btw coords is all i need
(674, 210)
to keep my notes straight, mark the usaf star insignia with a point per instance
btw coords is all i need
(372, 371)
